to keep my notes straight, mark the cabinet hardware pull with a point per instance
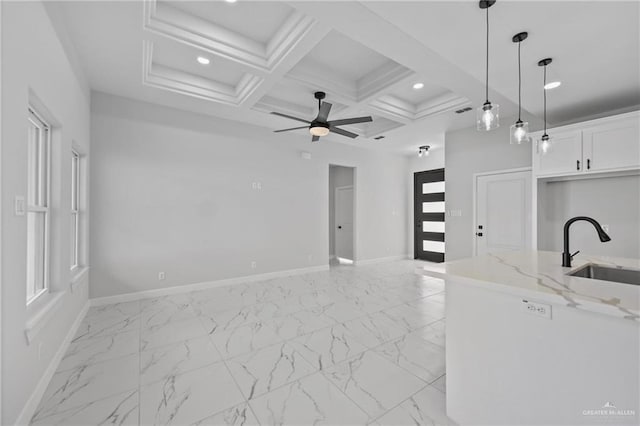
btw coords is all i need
(578, 165)
(588, 163)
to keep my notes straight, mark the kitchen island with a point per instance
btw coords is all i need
(528, 344)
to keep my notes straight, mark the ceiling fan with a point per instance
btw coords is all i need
(320, 126)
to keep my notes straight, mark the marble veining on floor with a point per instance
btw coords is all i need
(353, 345)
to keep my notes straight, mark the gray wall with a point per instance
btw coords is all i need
(172, 192)
(470, 151)
(34, 62)
(613, 201)
(338, 176)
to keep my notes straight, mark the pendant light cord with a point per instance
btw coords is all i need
(544, 91)
(519, 84)
(486, 85)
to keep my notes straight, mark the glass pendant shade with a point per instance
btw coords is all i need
(488, 116)
(545, 143)
(519, 132)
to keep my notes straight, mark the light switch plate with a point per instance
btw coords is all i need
(20, 206)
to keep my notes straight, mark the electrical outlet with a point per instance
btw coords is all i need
(535, 308)
(161, 276)
(254, 264)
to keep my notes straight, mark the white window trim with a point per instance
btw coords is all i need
(44, 209)
(75, 209)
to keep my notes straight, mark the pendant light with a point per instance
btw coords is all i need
(488, 115)
(544, 145)
(520, 130)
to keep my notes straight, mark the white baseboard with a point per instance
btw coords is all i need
(380, 260)
(34, 400)
(147, 294)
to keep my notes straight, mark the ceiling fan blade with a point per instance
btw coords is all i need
(354, 120)
(343, 132)
(323, 115)
(291, 117)
(315, 138)
(293, 128)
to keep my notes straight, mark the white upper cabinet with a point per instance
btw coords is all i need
(603, 145)
(561, 154)
(612, 146)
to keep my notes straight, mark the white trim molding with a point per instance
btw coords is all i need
(31, 406)
(376, 260)
(208, 36)
(173, 80)
(147, 294)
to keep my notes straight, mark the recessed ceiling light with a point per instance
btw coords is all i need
(418, 86)
(552, 85)
(204, 61)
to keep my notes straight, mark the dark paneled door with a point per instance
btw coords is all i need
(428, 214)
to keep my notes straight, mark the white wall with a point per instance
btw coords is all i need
(435, 160)
(172, 192)
(470, 151)
(613, 201)
(338, 176)
(34, 61)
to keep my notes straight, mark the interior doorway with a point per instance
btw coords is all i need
(341, 215)
(502, 211)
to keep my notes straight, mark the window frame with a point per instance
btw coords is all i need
(76, 192)
(38, 201)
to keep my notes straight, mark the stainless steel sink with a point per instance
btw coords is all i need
(606, 273)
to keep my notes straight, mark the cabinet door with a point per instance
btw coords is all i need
(612, 146)
(562, 154)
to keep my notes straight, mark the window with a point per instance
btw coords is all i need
(75, 209)
(38, 161)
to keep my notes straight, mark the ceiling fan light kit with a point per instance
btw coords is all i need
(321, 126)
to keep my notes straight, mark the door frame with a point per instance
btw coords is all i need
(417, 209)
(355, 208)
(475, 201)
(353, 212)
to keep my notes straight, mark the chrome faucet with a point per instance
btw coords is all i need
(566, 255)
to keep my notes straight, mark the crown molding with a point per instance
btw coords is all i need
(402, 110)
(217, 40)
(162, 77)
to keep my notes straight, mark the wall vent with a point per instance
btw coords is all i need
(465, 109)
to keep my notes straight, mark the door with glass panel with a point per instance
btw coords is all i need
(428, 214)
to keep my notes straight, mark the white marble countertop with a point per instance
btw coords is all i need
(540, 276)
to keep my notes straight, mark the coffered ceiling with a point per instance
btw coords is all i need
(272, 56)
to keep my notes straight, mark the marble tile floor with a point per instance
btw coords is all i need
(357, 345)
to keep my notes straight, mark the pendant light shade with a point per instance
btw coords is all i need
(488, 115)
(545, 140)
(519, 131)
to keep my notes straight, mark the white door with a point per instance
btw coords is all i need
(344, 222)
(503, 212)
